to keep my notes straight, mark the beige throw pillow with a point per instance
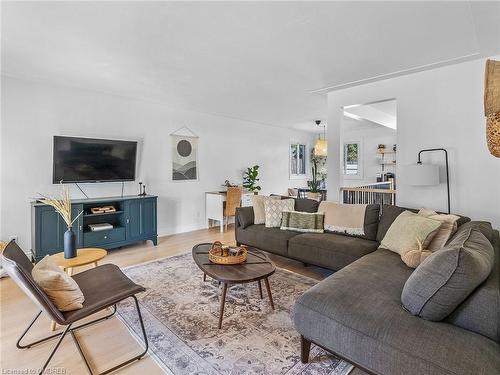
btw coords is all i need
(405, 232)
(274, 210)
(259, 212)
(446, 230)
(62, 290)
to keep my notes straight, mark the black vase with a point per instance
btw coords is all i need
(69, 244)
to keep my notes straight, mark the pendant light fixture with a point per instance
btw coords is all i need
(321, 147)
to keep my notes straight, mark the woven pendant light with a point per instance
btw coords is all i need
(492, 106)
(321, 147)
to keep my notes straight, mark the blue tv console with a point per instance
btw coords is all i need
(134, 220)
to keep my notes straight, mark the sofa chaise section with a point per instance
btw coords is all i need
(356, 313)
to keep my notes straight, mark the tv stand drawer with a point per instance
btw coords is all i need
(103, 237)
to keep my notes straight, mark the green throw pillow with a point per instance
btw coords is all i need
(405, 232)
(302, 221)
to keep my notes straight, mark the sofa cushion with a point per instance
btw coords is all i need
(329, 250)
(273, 240)
(389, 213)
(372, 214)
(357, 314)
(244, 216)
(306, 205)
(480, 312)
(447, 277)
(301, 204)
(483, 226)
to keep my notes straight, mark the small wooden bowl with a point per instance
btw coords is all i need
(215, 256)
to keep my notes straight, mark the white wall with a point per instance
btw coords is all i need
(33, 113)
(436, 108)
(371, 135)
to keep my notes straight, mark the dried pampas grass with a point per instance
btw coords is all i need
(62, 206)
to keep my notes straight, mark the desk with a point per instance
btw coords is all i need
(214, 206)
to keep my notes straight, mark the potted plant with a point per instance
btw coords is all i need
(250, 179)
(63, 207)
(314, 184)
(381, 148)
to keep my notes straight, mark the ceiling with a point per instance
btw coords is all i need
(257, 61)
(381, 113)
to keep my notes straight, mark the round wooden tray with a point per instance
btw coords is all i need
(215, 257)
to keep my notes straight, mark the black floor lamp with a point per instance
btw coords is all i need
(428, 174)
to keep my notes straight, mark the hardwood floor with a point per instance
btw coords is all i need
(109, 342)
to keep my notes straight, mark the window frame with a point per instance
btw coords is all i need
(298, 176)
(359, 174)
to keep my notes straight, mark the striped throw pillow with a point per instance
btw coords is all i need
(302, 221)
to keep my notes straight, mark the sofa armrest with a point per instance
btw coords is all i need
(244, 217)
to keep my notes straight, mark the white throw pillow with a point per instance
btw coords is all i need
(259, 212)
(61, 289)
(274, 210)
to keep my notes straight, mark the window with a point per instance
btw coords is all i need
(352, 160)
(298, 162)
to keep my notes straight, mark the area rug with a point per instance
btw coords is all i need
(180, 313)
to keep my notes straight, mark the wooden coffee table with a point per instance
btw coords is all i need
(257, 267)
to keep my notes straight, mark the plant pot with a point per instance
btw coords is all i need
(255, 192)
(69, 244)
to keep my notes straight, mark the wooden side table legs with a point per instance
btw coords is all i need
(222, 302)
(260, 289)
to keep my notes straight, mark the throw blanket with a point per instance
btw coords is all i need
(344, 218)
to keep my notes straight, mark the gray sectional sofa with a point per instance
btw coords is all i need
(357, 313)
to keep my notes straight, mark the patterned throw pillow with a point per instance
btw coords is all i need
(405, 232)
(302, 221)
(274, 209)
(258, 207)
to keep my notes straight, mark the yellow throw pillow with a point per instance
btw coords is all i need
(446, 230)
(406, 230)
(61, 289)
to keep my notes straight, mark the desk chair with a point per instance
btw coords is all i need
(233, 201)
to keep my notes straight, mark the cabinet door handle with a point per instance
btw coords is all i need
(105, 237)
(80, 227)
(128, 220)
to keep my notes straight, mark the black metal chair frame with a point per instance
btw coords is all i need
(71, 330)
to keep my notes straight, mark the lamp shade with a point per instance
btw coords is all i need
(421, 174)
(321, 148)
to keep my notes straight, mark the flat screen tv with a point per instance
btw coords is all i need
(93, 160)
